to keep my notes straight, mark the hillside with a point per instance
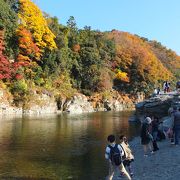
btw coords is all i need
(38, 53)
(136, 58)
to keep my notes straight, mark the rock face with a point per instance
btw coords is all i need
(157, 106)
(116, 102)
(5, 105)
(45, 103)
(115, 105)
(41, 104)
(78, 104)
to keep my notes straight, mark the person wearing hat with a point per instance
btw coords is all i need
(146, 137)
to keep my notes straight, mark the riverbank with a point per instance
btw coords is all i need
(162, 165)
(46, 103)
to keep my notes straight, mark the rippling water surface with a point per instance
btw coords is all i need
(59, 146)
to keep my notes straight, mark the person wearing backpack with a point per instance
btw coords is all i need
(114, 154)
(128, 156)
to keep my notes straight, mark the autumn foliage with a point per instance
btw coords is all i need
(46, 54)
(135, 60)
(7, 69)
(122, 76)
(28, 50)
(32, 19)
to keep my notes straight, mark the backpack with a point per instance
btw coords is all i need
(115, 155)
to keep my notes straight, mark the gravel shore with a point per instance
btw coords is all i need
(162, 165)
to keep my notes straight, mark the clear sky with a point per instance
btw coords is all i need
(154, 19)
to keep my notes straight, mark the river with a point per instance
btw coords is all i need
(59, 146)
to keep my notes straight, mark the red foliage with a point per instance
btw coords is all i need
(7, 69)
(18, 76)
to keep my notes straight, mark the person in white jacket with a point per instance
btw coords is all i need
(128, 156)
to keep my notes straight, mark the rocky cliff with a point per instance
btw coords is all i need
(44, 103)
(157, 106)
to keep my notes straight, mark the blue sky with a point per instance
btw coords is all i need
(154, 19)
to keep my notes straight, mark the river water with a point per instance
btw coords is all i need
(59, 146)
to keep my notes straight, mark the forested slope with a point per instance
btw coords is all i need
(38, 53)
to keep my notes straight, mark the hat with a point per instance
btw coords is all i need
(148, 120)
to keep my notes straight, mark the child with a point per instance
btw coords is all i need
(128, 158)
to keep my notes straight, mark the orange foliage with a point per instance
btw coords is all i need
(134, 54)
(76, 48)
(28, 50)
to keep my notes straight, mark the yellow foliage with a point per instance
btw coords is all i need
(122, 76)
(32, 18)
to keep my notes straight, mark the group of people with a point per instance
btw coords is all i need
(119, 155)
(166, 88)
(152, 131)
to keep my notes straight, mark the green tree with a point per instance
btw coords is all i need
(73, 37)
(8, 20)
(90, 71)
(61, 32)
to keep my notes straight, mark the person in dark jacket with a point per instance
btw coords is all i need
(155, 124)
(176, 126)
(146, 137)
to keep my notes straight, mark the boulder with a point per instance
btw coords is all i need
(156, 106)
(78, 104)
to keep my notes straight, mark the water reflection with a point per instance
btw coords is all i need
(60, 146)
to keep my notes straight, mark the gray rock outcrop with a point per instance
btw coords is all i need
(78, 104)
(157, 106)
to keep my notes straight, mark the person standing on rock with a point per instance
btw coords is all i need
(165, 86)
(114, 154)
(176, 125)
(155, 92)
(146, 137)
